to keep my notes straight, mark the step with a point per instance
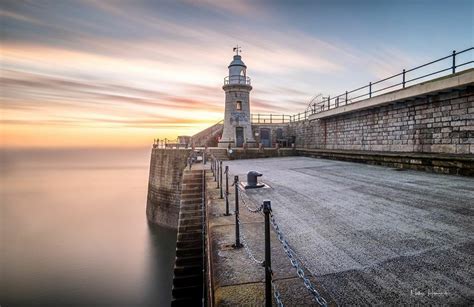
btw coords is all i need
(192, 180)
(190, 221)
(185, 302)
(190, 236)
(191, 215)
(188, 260)
(186, 252)
(186, 204)
(197, 206)
(192, 194)
(187, 280)
(187, 270)
(191, 291)
(188, 244)
(190, 227)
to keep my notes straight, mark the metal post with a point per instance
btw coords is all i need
(258, 118)
(215, 169)
(237, 226)
(403, 82)
(267, 208)
(270, 118)
(283, 119)
(217, 174)
(329, 102)
(220, 179)
(370, 89)
(227, 190)
(346, 97)
(454, 61)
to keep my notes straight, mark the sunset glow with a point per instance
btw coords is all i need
(113, 73)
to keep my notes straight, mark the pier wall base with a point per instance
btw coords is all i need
(164, 185)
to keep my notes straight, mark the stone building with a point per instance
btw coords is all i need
(237, 129)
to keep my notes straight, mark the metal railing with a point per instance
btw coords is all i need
(237, 80)
(269, 118)
(397, 81)
(169, 143)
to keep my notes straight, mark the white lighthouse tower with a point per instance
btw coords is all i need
(237, 126)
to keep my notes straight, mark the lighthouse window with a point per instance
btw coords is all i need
(239, 106)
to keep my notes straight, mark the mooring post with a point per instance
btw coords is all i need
(220, 179)
(226, 190)
(267, 208)
(237, 226)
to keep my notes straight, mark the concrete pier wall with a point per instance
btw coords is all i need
(164, 185)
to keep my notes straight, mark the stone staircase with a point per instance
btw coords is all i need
(219, 153)
(188, 269)
(208, 137)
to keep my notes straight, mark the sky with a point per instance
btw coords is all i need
(100, 73)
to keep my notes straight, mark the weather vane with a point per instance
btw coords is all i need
(237, 49)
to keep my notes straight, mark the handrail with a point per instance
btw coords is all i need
(336, 101)
(269, 118)
(237, 80)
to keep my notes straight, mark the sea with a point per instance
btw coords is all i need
(74, 232)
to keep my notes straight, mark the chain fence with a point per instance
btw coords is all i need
(247, 202)
(250, 253)
(295, 261)
(276, 295)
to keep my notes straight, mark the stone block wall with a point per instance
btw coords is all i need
(285, 129)
(164, 185)
(440, 123)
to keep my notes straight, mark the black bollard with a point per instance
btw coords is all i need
(220, 179)
(237, 226)
(267, 208)
(227, 191)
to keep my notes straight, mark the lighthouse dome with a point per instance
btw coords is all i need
(237, 62)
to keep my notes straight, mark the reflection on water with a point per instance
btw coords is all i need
(74, 232)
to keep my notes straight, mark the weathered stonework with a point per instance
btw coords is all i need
(439, 123)
(274, 130)
(164, 185)
(237, 128)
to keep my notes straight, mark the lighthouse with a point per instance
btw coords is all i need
(237, 126)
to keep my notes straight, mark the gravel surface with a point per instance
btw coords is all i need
(371, 234)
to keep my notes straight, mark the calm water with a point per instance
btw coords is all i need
(74, 232)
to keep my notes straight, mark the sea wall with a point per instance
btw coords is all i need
(164, 185)
(435, 123)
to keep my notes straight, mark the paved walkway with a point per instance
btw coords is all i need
(370, 234)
